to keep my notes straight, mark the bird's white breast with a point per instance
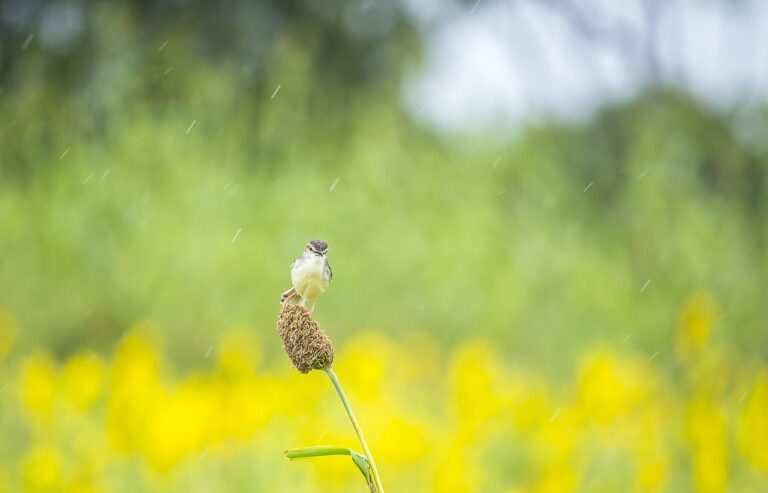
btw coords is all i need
(308, 276)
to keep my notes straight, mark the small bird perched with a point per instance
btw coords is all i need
(310, 274)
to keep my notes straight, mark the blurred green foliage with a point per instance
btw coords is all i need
(172, 183)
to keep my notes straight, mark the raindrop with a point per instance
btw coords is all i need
(743, 396)
(27, 42)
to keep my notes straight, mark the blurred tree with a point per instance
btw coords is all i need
(353, 43)
(660, 127)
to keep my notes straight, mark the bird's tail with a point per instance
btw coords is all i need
(287, 295)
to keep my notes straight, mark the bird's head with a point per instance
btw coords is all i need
(317, 247)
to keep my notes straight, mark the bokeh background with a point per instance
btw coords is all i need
(548, 228)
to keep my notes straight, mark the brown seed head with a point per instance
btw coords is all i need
(304, 341)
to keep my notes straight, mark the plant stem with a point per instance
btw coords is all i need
(337, 385)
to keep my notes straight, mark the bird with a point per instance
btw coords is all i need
(310, 275)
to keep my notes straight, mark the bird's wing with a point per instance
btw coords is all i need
(329, 270)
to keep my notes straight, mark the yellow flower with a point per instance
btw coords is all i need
(41, 469)
(650, 452)
(695, 325)
(476, 379)
(402, 441)
(8, 333)
(4, 481)
(753, 426)
(709, 442)
(363, 364)
(238, 353)
(134, 389)
(136, 363)
(168, 435)
(558, 478)
(528, 399)
(555, 440)
(83, 379)
(651, 475)
(609, 388)
(456, 474)
(38, 385)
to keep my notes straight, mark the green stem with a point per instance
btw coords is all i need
(336, 385)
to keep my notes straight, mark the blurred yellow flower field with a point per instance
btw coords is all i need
(457, 421)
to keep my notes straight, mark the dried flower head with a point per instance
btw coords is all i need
(305, 342)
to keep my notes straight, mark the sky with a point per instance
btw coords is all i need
(499, 64)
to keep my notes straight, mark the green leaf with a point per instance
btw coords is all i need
(362, 463)
(323, 451)
(320, 451)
